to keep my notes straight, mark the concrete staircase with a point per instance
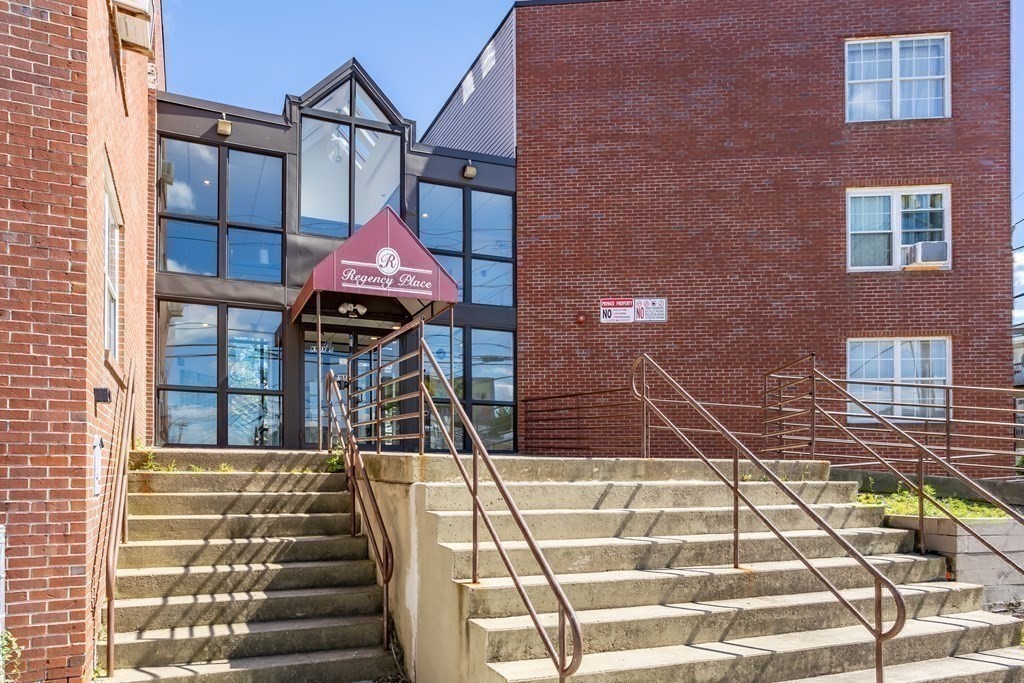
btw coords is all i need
(644, 555)
(244, 572)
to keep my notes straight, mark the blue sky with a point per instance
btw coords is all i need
(416, 50)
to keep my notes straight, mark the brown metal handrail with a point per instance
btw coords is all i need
(117, 517)
(567, 618)
(641, 392)
(924, 453)
(383, 552)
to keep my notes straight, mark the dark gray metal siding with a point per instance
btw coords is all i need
(483, 120)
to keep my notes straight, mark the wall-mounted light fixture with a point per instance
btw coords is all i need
(224, 126)
(101, 394)
(469, 170)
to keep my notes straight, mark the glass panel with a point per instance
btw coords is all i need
(188, 344)
(495, 425)
(334, 356)
(867, 251)
(452, 366)
(870, 214)
(254, 255)
(254, 349)
(922, 361)
(922, 57)
(493, 377)
(254, 420)
(378, 173)
(869, 61)
(922, 218)
(435, 439)
(366, 108)
(922, 99)
(492, 283)
(454, 265)
(325, 178)
(189, 248)
(869, 101)
(193, 189)
(872, 360)
(186, 417)
(492, 224)
(254, 188)
(337, 101)
(441, 217)
(871, 231)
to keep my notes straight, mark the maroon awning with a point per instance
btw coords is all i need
(383, 258)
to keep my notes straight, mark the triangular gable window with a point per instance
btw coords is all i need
(366, 108)
(338, 101)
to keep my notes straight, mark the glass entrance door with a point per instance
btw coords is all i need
(335, 348)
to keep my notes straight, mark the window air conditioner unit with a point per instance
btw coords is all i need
(925, 255)
(135, 24)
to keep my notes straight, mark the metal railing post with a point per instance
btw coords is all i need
(814, 402)
(423, 389)
(920, 502)
(735, 508)
(949, 421)
(476, 513)
(879, 663)
(645, 435)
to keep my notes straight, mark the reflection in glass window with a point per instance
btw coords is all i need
(186, 418)
(441, 217)
(492, 224)
(881, 362)
(254, 188)
(336, 101)
(189, 248)
(188, 344)
(254, 255)
(454, 266)
(492, 282)
(493, 376)
(325, 178)
(254, 349)
(435, 437)
(366, 108)
(192, 190)
(437, 338)
(254, 420)
(913, 67)
(495, 425)
(378, 167)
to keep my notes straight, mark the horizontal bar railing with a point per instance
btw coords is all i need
(568, 622)
(361, 493)
(640, 388)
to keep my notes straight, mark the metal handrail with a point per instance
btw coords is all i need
(639, 372)
(355, 468)
(566, 614)
(117, 520)
(923, 451)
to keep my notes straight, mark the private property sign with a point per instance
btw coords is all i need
(634, 310)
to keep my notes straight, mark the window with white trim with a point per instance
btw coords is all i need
(898, 78)
(876, 367)
(111, 254)
(882, 220)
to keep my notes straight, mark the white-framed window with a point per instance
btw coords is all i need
(111, 273)
(876, 367)
(882, 220)
(903, 77)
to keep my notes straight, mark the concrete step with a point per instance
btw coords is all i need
(995, 666)
(192, 580)
(766, 659)
(214, 551)
(609, 523)
(434, 467)
(240, 460)
(661, 552)
(233, 482)
(332, 666)
(252, 502)
(651, 626)
(497, 597)
(146, 614)
(189, 644)
(617, 495)
(172, 527)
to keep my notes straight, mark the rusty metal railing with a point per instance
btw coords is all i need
(568, 623)
(117, 507)
(361, 494)
(652, 409)
(796, 405)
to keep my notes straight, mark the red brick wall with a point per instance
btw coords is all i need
(63, 126)
(699, 151)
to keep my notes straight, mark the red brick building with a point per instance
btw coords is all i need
(78, 82)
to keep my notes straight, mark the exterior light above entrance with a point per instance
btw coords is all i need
(469, 170)
(224, 126)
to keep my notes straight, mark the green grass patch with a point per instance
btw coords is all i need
(904, 502)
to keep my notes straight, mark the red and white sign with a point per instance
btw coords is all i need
(632, 310)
